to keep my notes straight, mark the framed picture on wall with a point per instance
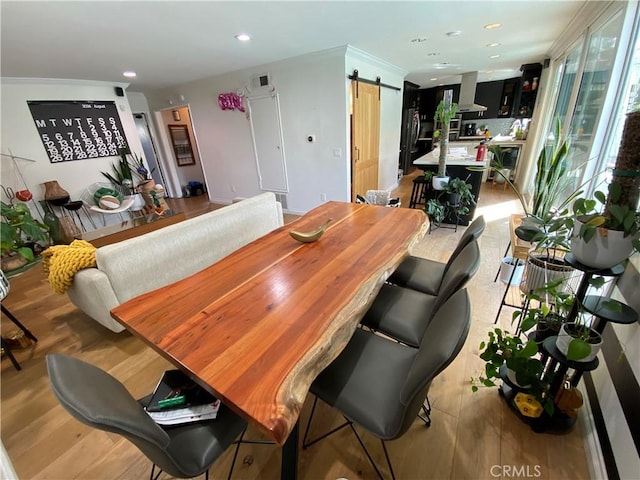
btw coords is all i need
(181, 145)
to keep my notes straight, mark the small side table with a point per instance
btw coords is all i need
(519, 250)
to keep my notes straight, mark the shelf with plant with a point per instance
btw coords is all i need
(554, 308)
(452, 202)
(521, 359)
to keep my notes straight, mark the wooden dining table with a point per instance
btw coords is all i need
(257, 327)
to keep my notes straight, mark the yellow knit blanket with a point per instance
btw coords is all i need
(61, 262)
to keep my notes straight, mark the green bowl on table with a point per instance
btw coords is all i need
(106, 191)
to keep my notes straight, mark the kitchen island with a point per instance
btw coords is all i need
(462, 155)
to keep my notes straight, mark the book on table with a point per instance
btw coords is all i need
(178, 399)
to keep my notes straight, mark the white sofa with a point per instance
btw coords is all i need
(132, 267)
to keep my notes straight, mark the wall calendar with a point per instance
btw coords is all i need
(77, 130)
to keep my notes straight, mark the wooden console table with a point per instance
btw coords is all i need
(131, 228)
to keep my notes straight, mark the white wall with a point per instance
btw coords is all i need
(312, 102)
(20, 136)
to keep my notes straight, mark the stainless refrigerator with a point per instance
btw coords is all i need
(410, 129)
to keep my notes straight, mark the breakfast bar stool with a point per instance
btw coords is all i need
(418, 192)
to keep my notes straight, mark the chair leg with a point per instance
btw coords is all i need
(235, 454)
(153, 468)
(425, 415)
(7, 351)
(306, 444)
(386, 454)
(373, 464)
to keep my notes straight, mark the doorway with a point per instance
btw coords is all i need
(149, 148)
(183, 160)
(365, 137)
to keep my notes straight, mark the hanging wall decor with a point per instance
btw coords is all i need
(230, 101)
(77, 130)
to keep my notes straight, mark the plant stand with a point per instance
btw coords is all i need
(589, 273)
(556, 372)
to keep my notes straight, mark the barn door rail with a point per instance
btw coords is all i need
(377, 81)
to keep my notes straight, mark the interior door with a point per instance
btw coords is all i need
(365, 137)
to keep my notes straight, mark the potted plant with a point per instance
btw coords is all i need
(123, 174)
(605, 231)
(20, 235)
(553, 304)
(445, 112)
(523, 368)
(459, 196)
(435, 210)
(578, 341)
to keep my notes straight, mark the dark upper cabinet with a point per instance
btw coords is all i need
(487, 94)
(528, 92)
(410, 95)
(510, 89)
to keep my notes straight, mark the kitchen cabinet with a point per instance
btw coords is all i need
(487, 94)
(510, 88)
(528, 91)
(410, 95)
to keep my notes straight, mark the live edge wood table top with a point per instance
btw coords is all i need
(258, 326)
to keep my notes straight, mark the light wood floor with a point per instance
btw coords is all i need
(470, 433)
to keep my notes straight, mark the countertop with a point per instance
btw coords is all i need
(466, 158)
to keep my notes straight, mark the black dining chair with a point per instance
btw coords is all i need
(404, 314)
(380, 384)
(98, 400)
(426, 275)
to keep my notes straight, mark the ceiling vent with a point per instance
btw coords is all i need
(468, 94)
(260, 81)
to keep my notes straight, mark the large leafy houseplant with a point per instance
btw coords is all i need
(124, 171)
(20, 230)
(445, 112)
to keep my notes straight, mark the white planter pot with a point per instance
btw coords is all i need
(138, 202)
(511, 375)
(439, 183)
(606, 249)
(564, 339)
(499, 178)
(539, 271)
(507, 267)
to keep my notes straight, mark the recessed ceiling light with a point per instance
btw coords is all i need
(419, 40)
(491, 26)
(493, 44)
(243, 37)
(494, 56)
(129, 74)
(455, 33)
(440, 67)
(433, 79)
